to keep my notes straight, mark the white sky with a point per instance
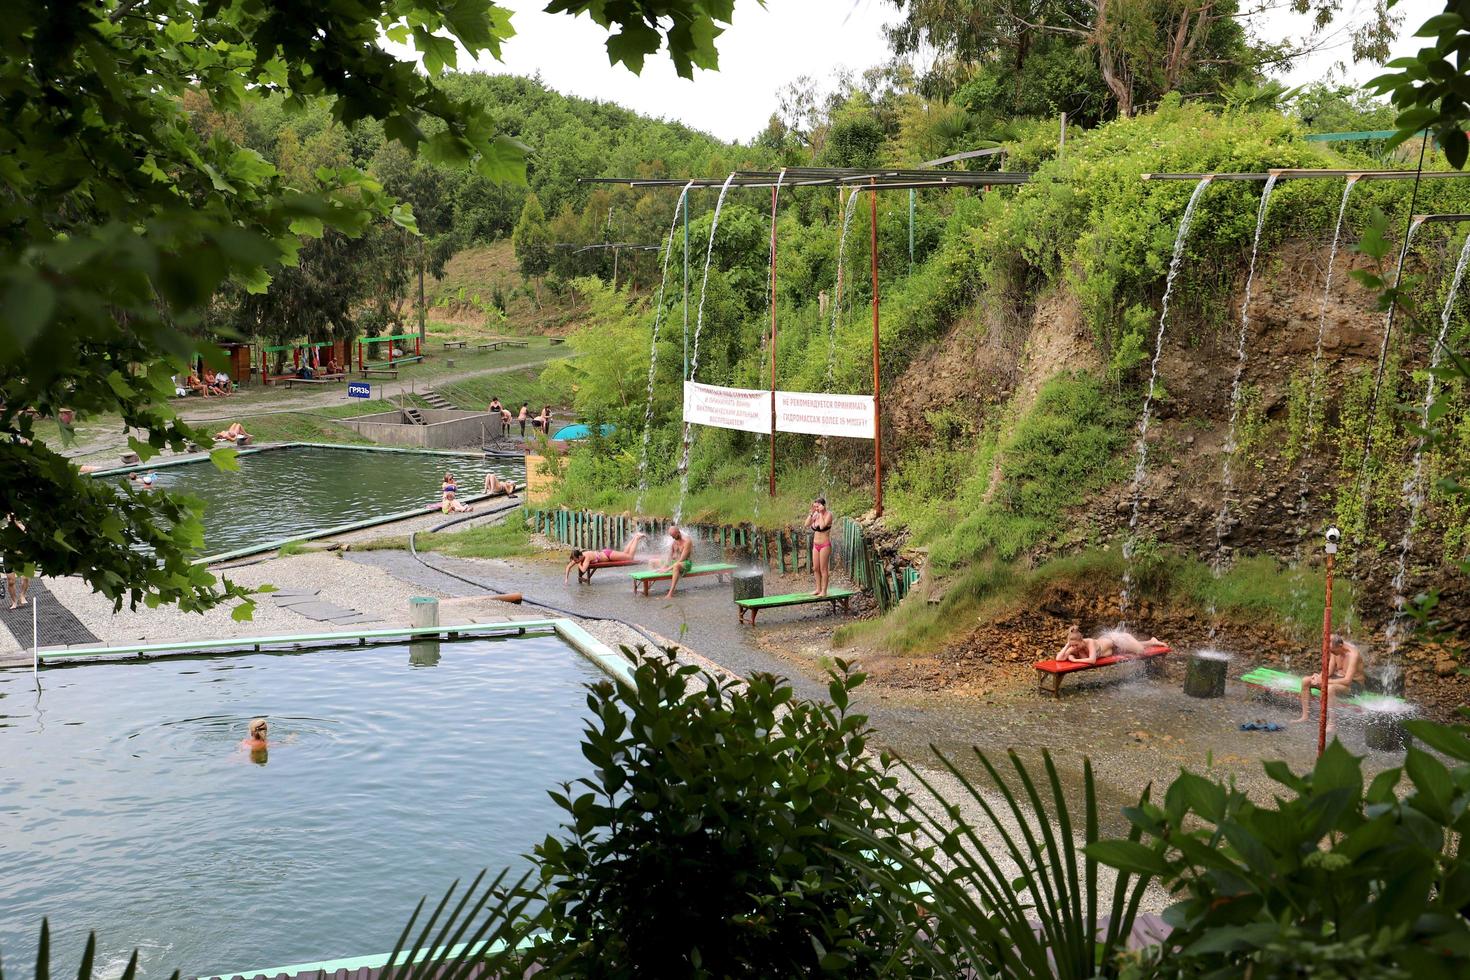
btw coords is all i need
(768, 47)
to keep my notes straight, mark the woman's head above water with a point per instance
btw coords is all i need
(258, 729)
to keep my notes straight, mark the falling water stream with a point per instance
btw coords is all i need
(823, 459)
(766, 338)
(1227, 475)
(1312, 381)
(709, 253)
(1414, 486)
(1140, 468)
(658, 316)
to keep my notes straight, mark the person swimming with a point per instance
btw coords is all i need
(256, 742)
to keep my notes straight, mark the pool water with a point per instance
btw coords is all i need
(127, 805)
(282, 494)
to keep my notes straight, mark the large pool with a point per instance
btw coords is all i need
(280, 494)
(127, 806)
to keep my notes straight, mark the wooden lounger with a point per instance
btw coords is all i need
(647, 579)
(754, 606)
(1057, 669)
(1278, 682)
(617, 563)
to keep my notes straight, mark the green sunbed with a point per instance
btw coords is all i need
(754, 606)
(722, 571)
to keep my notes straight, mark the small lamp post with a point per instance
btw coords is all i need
(1333, 537)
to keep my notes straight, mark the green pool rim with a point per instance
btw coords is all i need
(613, 664)
(327, 532)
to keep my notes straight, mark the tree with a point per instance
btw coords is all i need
(119, 220)
(531, 239)
(1141, 49)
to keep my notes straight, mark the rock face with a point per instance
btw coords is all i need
(1286, 487)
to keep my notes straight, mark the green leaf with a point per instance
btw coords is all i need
(27, 304)
(225, 458)
(243, 612)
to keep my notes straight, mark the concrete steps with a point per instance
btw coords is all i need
(436, 400)
(413, 416)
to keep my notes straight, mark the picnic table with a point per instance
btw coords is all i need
(754, 606)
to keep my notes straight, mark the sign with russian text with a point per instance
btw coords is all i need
(819, 414)
(359, 389)
(743, 409)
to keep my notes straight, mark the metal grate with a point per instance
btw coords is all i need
(55, 624)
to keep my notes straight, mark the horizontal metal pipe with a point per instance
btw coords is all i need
(1420, 219)
(1290, 174)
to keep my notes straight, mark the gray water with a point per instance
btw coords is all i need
(709, 254)
(129, 807)
(281, 494)
(1140, 467)
(658, 316)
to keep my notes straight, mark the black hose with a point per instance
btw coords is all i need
(413, 550)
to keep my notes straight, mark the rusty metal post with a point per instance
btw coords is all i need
(877, 384)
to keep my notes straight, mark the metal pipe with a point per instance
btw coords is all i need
(1326, 660)
(685, 195)
(775, 191)
(1296, 174)
(877, 385)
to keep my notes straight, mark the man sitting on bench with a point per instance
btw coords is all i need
(1345, 676)
(681, 558)
(1113, 643)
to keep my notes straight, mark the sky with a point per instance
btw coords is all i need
(767, 47)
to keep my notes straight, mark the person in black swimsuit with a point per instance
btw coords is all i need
(819, 520)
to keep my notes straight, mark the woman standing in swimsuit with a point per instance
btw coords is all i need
(820, 522)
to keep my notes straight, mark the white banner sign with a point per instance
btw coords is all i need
(749, 410)
(825, 415)
(727, 408)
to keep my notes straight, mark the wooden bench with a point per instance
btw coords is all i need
(515, 343)
(372, 372)
(455, 344)
(754, 606)
(1057, 669)
(619, 563)
(324, 379)
(646, 579)
(491, 345)
(1277, 682)
(558, 340)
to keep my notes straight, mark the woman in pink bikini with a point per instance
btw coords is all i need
(820, 522)
(585, 561)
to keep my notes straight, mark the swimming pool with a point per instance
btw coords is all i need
(128, 808)
(282, 494)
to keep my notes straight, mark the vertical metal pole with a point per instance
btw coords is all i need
(423, 309)
(686, 284)
(877, 387)
(616, 250)
(774, 192)
(1326, 660)
(1062, 139)
(35, 639)
(911, 230)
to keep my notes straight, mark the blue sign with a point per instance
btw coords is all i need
(359, 389)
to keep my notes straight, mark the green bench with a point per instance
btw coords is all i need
(1269, 681)
(754, 606)
(647, 579)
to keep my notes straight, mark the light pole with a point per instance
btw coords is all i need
(1333, 537)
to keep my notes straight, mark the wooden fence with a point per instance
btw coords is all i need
(787, 550)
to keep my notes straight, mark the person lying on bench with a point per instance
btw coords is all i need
(495, 486)
(1345, 676)
(234, 433)
(681, 560)
(585, 561)
(1113, 643)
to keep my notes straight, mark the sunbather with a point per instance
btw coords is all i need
(1112, 643)
(234, 433)
(450, 505)
(193, 383)
(585, 561)
(495, 486)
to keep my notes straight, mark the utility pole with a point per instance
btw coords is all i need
(1333, 537)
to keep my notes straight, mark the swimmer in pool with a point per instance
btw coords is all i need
(256, 743)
